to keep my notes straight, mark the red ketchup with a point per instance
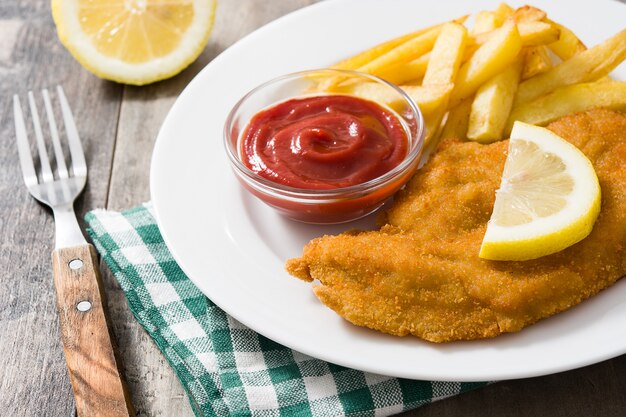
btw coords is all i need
(324, 142)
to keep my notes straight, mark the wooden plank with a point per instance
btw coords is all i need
(597, 390)
(155, 390)
(33, 374)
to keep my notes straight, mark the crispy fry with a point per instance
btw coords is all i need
(370, 54)
(458, 120)
(536, 61)
(428, 98)
(432, 134)
(446, 55)
(473, 78)
(537, 33)
(568, 43)
(585, 66)
(490, 59)
(484, 21)
(408, 51)
(374, 52)
(528, 14)
(532, 33)
(366, 56)
(405, 73)
(432, 99)
(604, 79)
(383, 60)
(502, 13)
(570, 99)
(442, 70)
(470, 50)
(492, 105)
(369, 91)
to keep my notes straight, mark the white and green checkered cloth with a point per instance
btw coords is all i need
(226, 368)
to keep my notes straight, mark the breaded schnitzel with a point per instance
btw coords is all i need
(420, 274)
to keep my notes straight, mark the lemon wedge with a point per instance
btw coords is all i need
(549, 197)
(134, 41)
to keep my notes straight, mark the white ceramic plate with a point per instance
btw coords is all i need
(233, 247)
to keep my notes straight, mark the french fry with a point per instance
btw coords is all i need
(585, 66)
(487, 20)
(503, 70)
(528, 14)
(536, 61)
(428, 98)
(405, 73)
(484, 21)
(458, 120)
(387, 62)
(374, 52)
(443, 66)
(432, 99)
(538, 33)
(532, 33)
(370, 54)
(488, 60)
(369, 91)
(570, 99)
(432, 134)
(492, 105)
(364, 57)
(604, 79)
(502, 13)
(470, 50)
(446, 55)
(568, 43)
(405, 52)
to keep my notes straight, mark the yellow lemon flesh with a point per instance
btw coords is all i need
(134, 41)
(548, 200)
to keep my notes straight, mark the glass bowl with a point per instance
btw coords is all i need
(335, 205)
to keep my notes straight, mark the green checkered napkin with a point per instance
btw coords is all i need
(226, 368)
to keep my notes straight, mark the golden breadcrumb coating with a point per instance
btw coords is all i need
(420, 274)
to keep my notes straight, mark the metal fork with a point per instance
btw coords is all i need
(98, 387)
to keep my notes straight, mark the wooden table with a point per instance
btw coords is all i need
(118, 126)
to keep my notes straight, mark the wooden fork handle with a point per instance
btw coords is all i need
(98, 386)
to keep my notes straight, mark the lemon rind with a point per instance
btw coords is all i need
(541, 245)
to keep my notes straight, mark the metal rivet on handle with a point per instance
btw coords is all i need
(75, 264)
(83, 306)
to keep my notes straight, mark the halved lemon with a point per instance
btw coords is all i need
(549, 197)
(134, 41)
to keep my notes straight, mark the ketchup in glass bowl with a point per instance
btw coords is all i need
(315, 146)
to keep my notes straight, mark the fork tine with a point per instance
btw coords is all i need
(23, 148)
(46, 171)
(79, 165)
(54, 133)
